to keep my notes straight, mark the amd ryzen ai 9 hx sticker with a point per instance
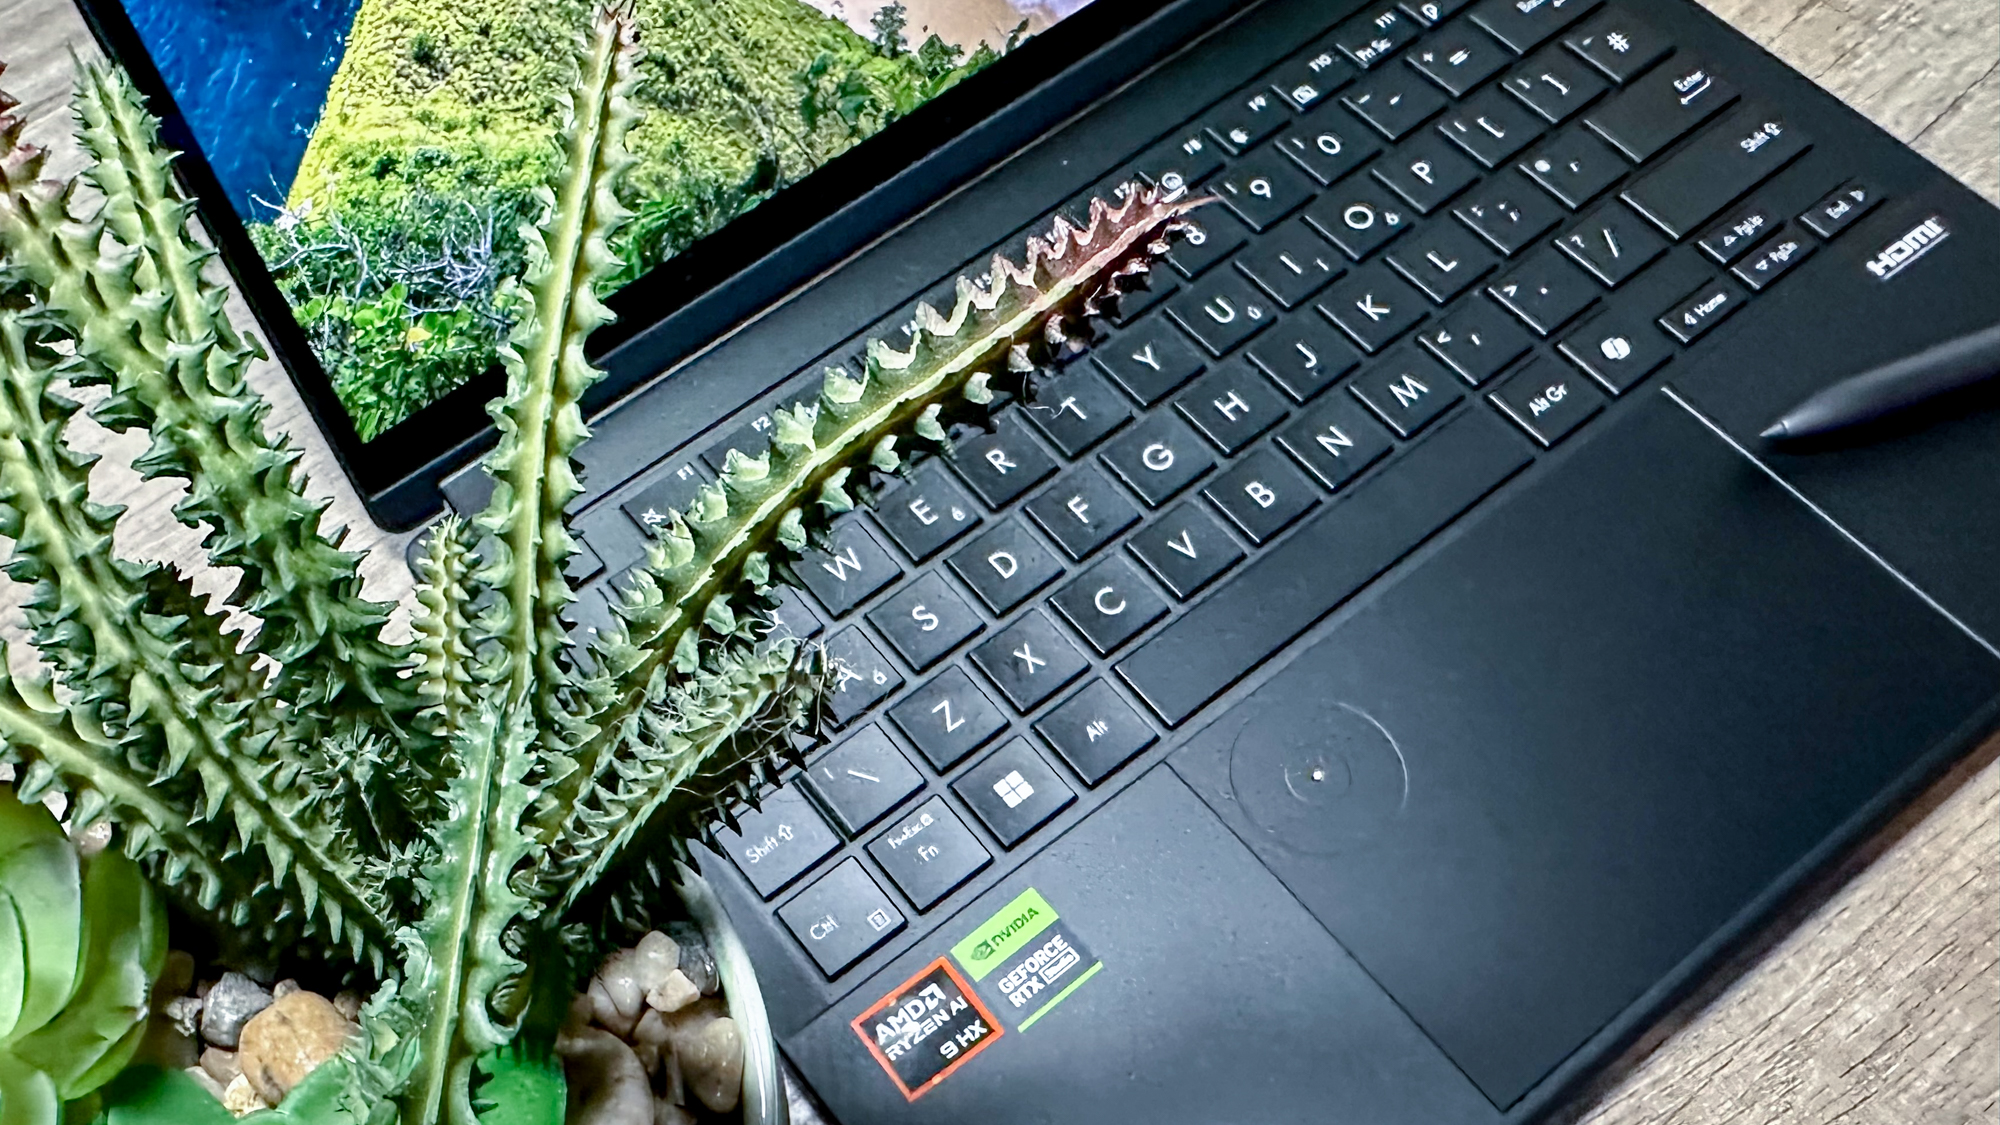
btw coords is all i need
(927, 1028)
(1026, 959)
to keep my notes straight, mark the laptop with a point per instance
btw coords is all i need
(1388, 673)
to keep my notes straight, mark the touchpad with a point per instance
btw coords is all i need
(1528, 780)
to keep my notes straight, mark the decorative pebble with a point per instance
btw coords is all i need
(289, 1040)
(221, 1064)
(176, 976)
(207, 1081)
(607, 1086)
(240, 1097)
(283, 989)
(656, 956)
(620, 974)
(229, 1006)
(696, 961)
(667, 1113)
(605, 1010)
(712, 1064)
(185, 1012)
(348, 1003)
(673, 993)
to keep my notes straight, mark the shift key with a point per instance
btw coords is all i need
(1700, 180)
(1326, 561)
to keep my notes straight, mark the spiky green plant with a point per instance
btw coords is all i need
(451, 816)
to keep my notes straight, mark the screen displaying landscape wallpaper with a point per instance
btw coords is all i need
(383, 152)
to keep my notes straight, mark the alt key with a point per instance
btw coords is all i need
(1548, 399)
(842, 917)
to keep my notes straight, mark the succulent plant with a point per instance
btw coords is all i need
(450, 817)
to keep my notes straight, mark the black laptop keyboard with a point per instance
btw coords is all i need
(1417, 280)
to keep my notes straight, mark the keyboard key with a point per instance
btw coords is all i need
(1427, 172)
(1263, 188)
(1358, 216)
(1221, 312)
(1005, 565)
(1013, 792)
(842, 917)
(1407, 390)
(1308, 77)
(1181, 161)
(1613, 245)
(1548, 399)
(1509, 212)
(778, 841)
(1737, 231)
(1433, 12)
(1149, 360)
(1378, 32)
(1159, 458)
(1443, 259)
(1231, 406)
(1328, 147)
(1109, 604)
(1459, 58)
(1185, 549)
(1774, 259)
(1335, 439)
(1524, 25)
(787, 616)
(1491, 127)
(1395, 101)
(1555, 85)
(849, 568)
(1574, 167)
(585, 564)
(1477, 340)
(862, 676)
(925, 620)
(861, 779)
(1374, 306)
(1545, 291)
(948, 718)
(1096, 732)
(1702, 310)
(1840, 208)
(1246, 119)
(927, 512)
(1002, 465)
(1194, 657)
(1291, 263)
(1029, 661)
(1083, 511)
(1618, 348)
(655, 505)
(1262, 495)
(1660, 108)
(1716, 167)
(929, 853)
(1618, 43)
(1212, 234)
(1304, 355)
(1076, 410)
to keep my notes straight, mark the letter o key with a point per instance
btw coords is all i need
(1358, 216)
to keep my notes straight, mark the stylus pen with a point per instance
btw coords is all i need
(1877, 393)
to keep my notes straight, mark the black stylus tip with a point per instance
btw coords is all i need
(1776, 431)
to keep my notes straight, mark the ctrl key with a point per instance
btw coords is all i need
(842, 917)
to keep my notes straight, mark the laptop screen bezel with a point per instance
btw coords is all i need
(781, 244)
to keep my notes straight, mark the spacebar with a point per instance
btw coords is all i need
(1277, 597)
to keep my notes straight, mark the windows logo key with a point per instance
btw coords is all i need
(1013, 789)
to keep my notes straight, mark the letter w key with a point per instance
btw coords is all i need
(850, 568)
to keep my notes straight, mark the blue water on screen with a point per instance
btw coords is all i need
(250, 77)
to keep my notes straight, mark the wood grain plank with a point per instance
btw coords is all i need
(1881, 1004)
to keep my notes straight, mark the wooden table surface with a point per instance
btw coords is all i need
(1878, 1002)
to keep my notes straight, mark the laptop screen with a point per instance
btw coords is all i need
(383, 153)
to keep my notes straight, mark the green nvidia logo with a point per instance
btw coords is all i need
(983, 950)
